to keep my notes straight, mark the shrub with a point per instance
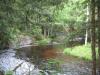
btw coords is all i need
(44, 42)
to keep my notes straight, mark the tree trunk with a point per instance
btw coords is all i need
(98, 24)
(48, 32)
(26, 24)
(44, 32)
(87, 20)
(93, 36)
(86, 37)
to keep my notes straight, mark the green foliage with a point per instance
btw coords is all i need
(55, 64)
(44, 42)
(72, 11)
(24, 16)
(33, 17)
(52, 65)
(80, 51)
(73, 16)
(36, 30)
(9, 73)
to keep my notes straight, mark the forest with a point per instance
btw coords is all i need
(49, 37)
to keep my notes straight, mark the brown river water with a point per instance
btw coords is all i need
(42, 60)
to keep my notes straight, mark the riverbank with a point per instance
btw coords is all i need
(81, 51)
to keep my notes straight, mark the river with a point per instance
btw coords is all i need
(42, 60)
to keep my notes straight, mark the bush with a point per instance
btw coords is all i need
(44, 42)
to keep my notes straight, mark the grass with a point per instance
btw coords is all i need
(80, 51)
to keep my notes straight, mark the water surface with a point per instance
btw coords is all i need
(38, 60)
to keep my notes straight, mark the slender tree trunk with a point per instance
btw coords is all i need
(86, 37)
(51, 29)
(98, 23)
(26, 25)
(48, 32)
(87, 20)
(44, 32)
(93, 36)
